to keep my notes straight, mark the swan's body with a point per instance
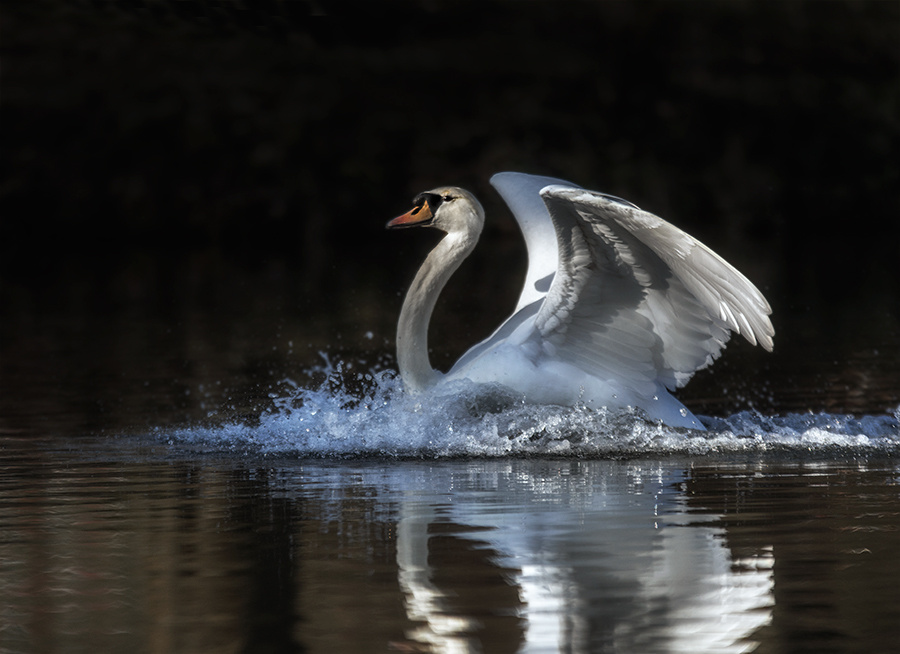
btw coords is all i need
(619, 307)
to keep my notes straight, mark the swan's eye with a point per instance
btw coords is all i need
(447, 198)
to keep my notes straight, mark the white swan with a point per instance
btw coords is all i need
(619, 307)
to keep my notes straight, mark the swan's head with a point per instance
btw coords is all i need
(449, 208)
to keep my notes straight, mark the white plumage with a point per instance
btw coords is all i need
(618, 308)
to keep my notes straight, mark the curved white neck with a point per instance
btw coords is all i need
(412, 329)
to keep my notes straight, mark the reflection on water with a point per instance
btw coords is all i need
(604, 558)
(129, 546)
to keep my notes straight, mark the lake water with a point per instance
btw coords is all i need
(329, 512)
(129, 544)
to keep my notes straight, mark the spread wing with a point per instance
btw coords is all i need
(636, 299)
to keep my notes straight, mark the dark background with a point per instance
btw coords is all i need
(193, 194)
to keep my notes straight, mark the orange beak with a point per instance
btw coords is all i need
(418, 215)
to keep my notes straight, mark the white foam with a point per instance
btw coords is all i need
(377, 418)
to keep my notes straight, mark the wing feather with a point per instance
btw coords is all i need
(637, 299)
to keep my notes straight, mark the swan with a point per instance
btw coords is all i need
(618, 308)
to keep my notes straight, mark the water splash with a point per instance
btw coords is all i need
(358, 414)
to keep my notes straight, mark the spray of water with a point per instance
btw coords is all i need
(360, 414)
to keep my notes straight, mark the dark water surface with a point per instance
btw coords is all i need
(122, 545)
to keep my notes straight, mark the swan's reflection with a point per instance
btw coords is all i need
(605, 558)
